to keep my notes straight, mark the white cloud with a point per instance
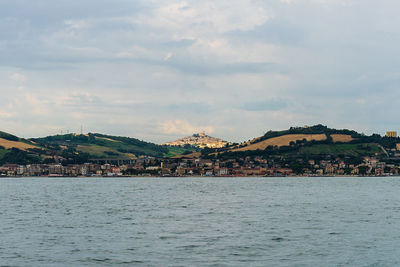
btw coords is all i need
(135, 52)
(336, 2)
(18, 77)
(36, 105)
(361, 101)
(204, 18)
(182, 127)
(286, 1)
(168, 56)
(76, 24)
(4, 114)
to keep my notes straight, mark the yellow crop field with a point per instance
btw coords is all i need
(344, 138)
(108, 139)
(192, 155)
(15, 144)
(281, 141)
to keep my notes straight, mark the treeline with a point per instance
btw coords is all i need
(296, 150)
(316, 129)
(38, 156)
(8, 136)
(387, 142)
(118, 143)
(17, 156)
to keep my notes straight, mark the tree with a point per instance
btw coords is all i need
(363, 170)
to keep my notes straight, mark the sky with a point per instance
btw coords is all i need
(158, 70)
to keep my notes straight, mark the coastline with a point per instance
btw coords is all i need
(193, 176)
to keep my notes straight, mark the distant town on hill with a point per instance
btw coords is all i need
(298, 151)
(200, 140)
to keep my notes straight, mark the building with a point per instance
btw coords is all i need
(223, 172)
(391, 134)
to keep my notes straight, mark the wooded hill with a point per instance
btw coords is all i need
(310, 142)
(79, 148)
(315, 142)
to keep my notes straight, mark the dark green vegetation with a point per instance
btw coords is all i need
(341, 149)
(2, 152)
(100, 146)
(17, 156)
(8, 136)
(177, 150)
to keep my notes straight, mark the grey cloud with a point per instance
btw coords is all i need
(179, 44)
(40, 12)
(271, 105)
(273, 31)
(324, 57)
(214, 68)
(191, 107)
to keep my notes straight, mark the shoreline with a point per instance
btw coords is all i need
(192, 176)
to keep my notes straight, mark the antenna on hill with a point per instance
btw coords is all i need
(81, 129)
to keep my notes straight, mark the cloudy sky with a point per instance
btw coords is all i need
(160, 69)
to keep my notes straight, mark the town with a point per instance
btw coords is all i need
(248, 166)
(299, 151)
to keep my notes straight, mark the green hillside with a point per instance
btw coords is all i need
(8, 136)
(356, 145)
(3, 152)
(100, 146)
(17, 150)
(341, 149)
(285, 148)
(77, 149)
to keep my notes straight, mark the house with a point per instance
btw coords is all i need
(180, 171)
(223, 172)
(392, 134)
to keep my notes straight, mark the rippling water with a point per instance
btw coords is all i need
(200, 222)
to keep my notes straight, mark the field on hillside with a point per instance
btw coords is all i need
(281, 141)
(103, 152)
(7, 144)
(191, 155)
(174, 151)
(104, 146)
(107, 139)
(345, 149)
(343, 138)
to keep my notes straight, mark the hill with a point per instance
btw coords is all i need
(200, 140)
(298, 134)
(306, 142)
(279, 141)
(18, 150)
(102, 146)
(287, 139)
(281, 148)
(74, 148)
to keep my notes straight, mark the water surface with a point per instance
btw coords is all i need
(200, 222)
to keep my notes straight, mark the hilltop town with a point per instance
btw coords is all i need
(200, 140)
(299, 151)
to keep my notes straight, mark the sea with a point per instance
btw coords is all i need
(317, 221)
